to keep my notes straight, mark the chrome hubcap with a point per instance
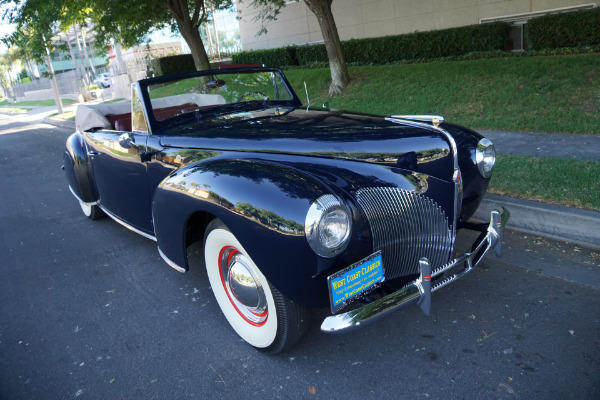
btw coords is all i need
(243, 287)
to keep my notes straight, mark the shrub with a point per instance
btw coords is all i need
(279, 57)
(172, 64)
(431, 44)
(571, 29)
(312, 54)
(389, 49)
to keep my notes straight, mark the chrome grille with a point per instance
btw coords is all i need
(406, 226)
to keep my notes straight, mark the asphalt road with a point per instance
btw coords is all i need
(89, 310)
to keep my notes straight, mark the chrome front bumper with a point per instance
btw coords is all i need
(419, 291)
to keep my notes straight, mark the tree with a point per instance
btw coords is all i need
(5, 81)
(340, 78)
(36, 24)
(337, 62)
(130, 21)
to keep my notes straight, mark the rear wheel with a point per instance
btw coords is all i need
(255, 309)
(93, 212)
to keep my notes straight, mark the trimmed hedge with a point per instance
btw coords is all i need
(390, 49)
(173, 64)
(571, 29)
(279, 57)
(431, 44)
(315, 53)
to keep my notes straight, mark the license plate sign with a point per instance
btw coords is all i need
(355, 281)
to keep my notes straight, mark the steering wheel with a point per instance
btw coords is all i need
(247, 94)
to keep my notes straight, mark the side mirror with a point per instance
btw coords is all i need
(126, 140)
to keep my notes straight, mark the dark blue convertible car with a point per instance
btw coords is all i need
(295, 207)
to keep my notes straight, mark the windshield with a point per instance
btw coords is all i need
(203, 93)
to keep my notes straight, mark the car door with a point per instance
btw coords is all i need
(120, 175)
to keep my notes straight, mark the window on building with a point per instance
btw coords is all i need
(518, 36)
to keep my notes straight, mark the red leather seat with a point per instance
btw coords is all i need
(123, 124)
(114, 118)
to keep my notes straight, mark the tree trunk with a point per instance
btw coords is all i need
(85, 65)
(209, 38)
(77, 69)
(214, 23)
(29, 69)
(90, 63)
(189, 29)
(337, 63)
(194, 41)
(54, 83)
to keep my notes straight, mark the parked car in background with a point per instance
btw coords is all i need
(295, 207)
(103, 80)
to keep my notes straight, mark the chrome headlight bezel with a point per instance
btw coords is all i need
(328, 226)
(485, 157)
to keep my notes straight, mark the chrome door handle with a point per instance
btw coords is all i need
(92, 153)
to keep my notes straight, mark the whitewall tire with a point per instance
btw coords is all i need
(255, 309)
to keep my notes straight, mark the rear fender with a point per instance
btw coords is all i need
(78, 169)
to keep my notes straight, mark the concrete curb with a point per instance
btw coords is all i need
(549, 220)
(59, 122)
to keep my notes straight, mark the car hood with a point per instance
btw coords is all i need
(320, 132)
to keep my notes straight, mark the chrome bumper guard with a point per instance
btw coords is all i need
(419, 291)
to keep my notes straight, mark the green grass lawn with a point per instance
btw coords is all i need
(52, 102)
(14, 110)
(114, 100)
(575, 183)
(558, 94)
(68, 115)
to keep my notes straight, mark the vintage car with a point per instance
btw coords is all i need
(103, 80)
(295, 207)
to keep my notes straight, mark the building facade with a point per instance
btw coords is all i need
(355, 19)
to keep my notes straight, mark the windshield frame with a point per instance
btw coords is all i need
(156, 126)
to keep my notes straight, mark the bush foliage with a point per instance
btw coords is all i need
(571, 29)
(389, 49)
(279, 57)
(172, 64)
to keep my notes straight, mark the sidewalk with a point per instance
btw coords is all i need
(561, 145)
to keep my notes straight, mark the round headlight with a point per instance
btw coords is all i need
(327, 226)
(485, 157)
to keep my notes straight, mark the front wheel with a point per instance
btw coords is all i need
(255, 309)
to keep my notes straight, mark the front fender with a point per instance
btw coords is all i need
(78, 169)
(263, 203)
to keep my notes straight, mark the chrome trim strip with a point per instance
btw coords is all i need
(171, 263)
(414, 291)
(126, 225)
(77, 197)
(424, 118)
